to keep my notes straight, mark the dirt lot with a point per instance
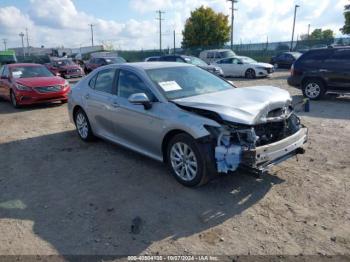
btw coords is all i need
(59, 195)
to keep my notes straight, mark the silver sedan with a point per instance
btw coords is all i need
(196, 122)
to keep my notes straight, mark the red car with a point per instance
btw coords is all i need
(65, 67)
(26, 84)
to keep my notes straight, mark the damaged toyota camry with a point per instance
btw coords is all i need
(197, 123)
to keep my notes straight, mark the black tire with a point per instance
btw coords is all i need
(201, 176)
(313, 89)
(88, 136)
(250, 73)
(14, 100)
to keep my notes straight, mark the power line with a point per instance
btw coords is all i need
(92, 34)
(5, 43)
(233, 2)
(160, 28)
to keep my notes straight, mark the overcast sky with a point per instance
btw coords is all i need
(132, 24)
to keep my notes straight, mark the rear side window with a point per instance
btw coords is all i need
(210, 55)
(313, 58)
(105, 81)
(341, 55)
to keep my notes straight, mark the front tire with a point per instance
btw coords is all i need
(186, 162)
(250, 74)
(83, 126)
(313, 89)
(13, 99)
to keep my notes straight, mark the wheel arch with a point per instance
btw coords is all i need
(168, 136)
(75, 111)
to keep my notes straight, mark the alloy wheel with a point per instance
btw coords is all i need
(312, 90)
(183, 161)
(82, 125)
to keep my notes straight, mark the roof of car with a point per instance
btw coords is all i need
(153, 65)
(217, 50)
(23, 64)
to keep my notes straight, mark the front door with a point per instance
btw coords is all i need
(135, 126)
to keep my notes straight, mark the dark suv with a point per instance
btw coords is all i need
(322, 71)
(96, 62)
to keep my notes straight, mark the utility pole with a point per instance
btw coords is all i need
(5, 43)
(92, 34)
(174, 42)
(295, 15)
(160, 29)
(22, 36)
(28, 52)
(308, 32)
(233, 2)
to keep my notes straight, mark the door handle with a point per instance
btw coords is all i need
(324, 70)
(87, 96)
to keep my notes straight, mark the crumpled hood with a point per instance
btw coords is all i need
(248, 106)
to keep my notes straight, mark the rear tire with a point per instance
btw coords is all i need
(313, 89)
(83, 126)
(186, 161)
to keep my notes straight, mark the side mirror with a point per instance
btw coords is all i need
(140, 99)
(240, 63)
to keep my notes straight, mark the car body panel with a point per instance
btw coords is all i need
(144, 129)
(241, 105)
(331, 65)
(237, 68)
(42, 89)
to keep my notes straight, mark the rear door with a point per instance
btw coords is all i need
(337, 68)
(100, 102)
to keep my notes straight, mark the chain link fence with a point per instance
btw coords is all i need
(259, 51)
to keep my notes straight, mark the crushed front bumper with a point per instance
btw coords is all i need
(262, 158)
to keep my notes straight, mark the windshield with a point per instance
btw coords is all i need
(30, 71)
(248, 60)
(115, 60)
(195, 61)
(63, 63)
(227, 54)
(180, 82)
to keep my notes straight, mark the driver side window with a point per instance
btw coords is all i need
(129, 84)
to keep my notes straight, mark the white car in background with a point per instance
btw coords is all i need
(242, 66)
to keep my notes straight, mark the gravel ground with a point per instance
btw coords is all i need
(59, 195)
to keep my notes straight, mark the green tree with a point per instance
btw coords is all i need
(346, 28)
(319, 34)
(205, 28)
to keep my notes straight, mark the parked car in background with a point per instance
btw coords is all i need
(65, 67)
(210, 56)
(7, 57)
(322, 71)
(96, 62)
(242, 66)
(25, 84)
(152, 59)
(193, 61)
(196, 122)
(285, 60)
